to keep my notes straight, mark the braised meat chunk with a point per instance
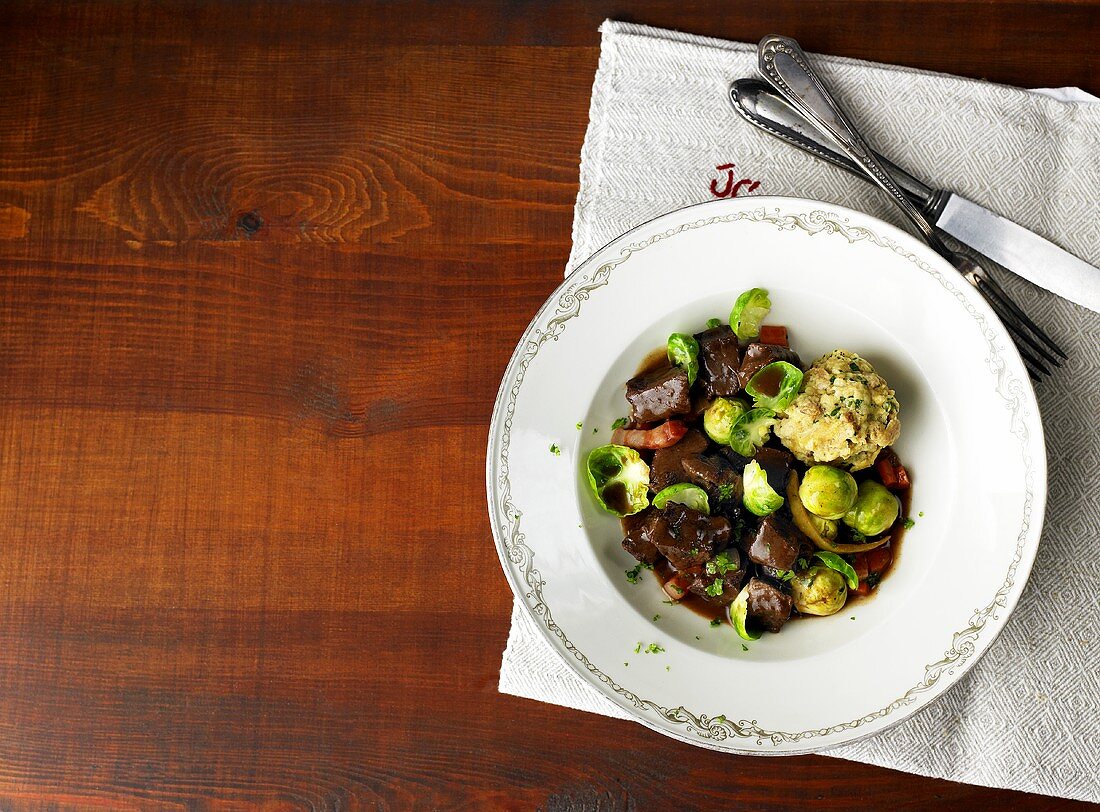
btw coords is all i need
(715, 475)
(757, 356)
(719, 361)
(768, 605)
(658, 395)
(667, 466)
(721, 579)
(638, 540)
(776, 464)
(776, 543)
(688, 538)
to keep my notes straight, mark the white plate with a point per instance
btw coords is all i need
(971, 436)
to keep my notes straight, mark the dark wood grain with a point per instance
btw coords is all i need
(261, 268)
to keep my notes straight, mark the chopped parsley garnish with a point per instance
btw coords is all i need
(921, 514)
(596, 430)
(638, 648)
(858, 537)
(853, 366)
(632, 575)
(744, 647)
(620, 423)
(720, 566)
(907, 523)
(668, 668)
(714, 588)
(720, 719)
(853, 617)
(656, 618)
(579, 426)
(555, 450)
(803, 563)
(669, 603)
(712, 323)
(873, 579)
(725, 492)
(784, 575)
(653, 648)
(716, 622)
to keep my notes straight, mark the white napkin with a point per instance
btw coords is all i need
(662, 135)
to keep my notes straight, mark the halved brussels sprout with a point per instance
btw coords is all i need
(828, 492)
(749, 312)
(775, 386)
(835, 562)
(686, 494)
(739, 615)
(751, 430)
(874, 511)
(818, 591)
(760, 498)
(619, 479)
(720, 416)
(683, 351)
(804, 521)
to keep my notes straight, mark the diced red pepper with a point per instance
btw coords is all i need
(774, 334)
(871, 563)
(891, 471)
(668, 433)
(878, 559)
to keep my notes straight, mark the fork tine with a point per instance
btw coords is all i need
(999, 292)
(1035, 367)
(1009, 315)
(1031, 362)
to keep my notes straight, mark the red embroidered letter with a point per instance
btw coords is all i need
(728, 169)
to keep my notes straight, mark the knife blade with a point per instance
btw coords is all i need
(1023, 252)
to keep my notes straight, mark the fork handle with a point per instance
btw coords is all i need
(785, 66)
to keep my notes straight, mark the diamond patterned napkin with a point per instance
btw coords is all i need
(662, 135)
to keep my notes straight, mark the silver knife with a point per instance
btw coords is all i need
(1023, 252)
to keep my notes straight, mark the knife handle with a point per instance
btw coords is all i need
(786, 67)
(765, 109)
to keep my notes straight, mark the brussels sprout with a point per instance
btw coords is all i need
(619, 479)
(818, 591)
(739, 615)
(874, 511)
(805, 521)
(760, 498)
(751, 430)
(686, 494)
(775, 386)
(835, 562)
(720, 416)
(828, 492)
(683, 351)
(749, 311)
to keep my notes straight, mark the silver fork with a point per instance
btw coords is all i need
(784, 65)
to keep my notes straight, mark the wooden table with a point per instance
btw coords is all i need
(261, 268)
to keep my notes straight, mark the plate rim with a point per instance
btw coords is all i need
(712, 732)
